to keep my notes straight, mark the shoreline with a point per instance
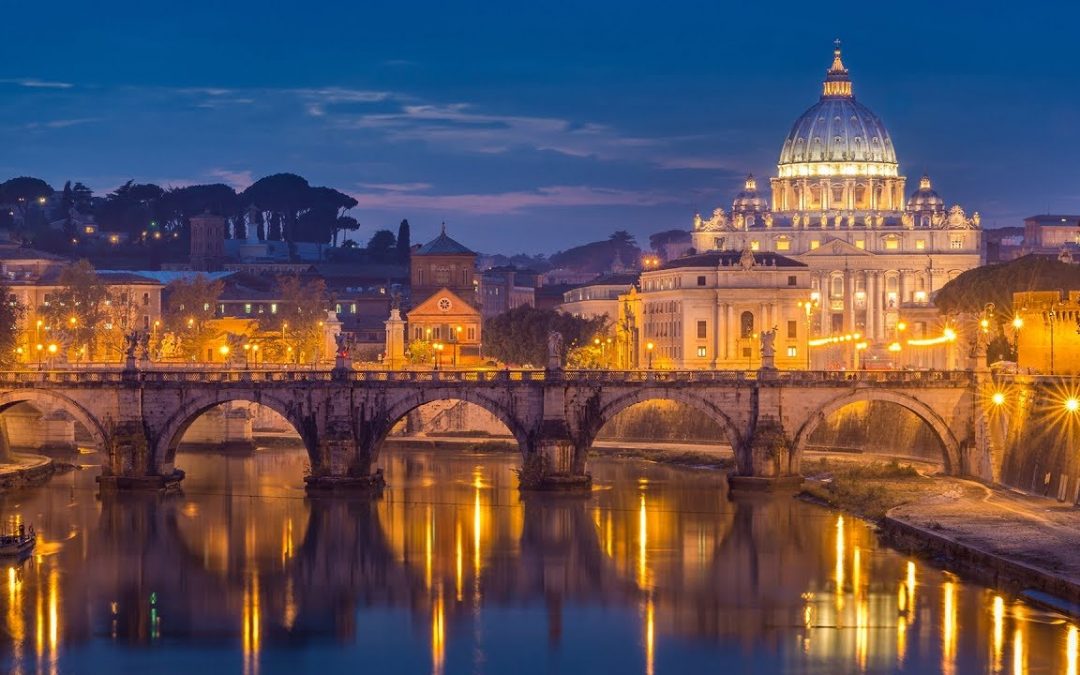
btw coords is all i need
(29, 471)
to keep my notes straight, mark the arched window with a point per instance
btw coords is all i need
(746, 324)
(837, 290)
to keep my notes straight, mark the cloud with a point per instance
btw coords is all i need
(461, 126)
(396, 187)
(238, 180)
(699, 163)
(61, 124)
(34, 83)
(510, 202)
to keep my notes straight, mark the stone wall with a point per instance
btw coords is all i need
(1038, 441)
(877, 426)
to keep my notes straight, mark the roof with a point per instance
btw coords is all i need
(622, 279)
(1054, 219)
(443, 245)
(731, 259)
(10, 252)
(122, 277)
(168, 276)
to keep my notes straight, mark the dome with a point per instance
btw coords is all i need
(749, 200)
(925, 198)
(838, 135)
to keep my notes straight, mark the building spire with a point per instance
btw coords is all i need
(837, 82)
(444, 228)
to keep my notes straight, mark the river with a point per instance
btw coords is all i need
(454, 571)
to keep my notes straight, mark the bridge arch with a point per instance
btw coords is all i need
(594, 423)
(41, 398)
(949, 444)
(401, 407)
(169, 436)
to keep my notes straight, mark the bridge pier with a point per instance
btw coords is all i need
(551, 462)
(342, 465)
(130, 465)
(768, 462)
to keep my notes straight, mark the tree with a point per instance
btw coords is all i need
(973, 289)
(600, 256)
(189, 307)
(660, 239)
(403, 243)
(76, 313)
(133, 208)
(281, 197)
(24, 193)
(301, 315)
(11, 314)
(382, 246)
(420, 352)
(178, 205)
(520, 336)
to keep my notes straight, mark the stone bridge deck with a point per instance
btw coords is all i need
(140, 415)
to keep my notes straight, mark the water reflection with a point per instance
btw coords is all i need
(454, 570)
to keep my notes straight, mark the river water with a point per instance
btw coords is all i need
(453, 571)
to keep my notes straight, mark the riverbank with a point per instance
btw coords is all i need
(25, 470)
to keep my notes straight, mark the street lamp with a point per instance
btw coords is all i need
(438, 347)
(457, 345)
(39, 347)
(255, 354)
(808, 308)
(247, 355)
(224, 351)
(648, 348)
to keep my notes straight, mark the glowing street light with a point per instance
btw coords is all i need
(1017, 322)
(998, 398)
(1072, 404)
(649, 348)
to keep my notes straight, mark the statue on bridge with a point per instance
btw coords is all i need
(343, 345)
(768, 349)
(555, 348)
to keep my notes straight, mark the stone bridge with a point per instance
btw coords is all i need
(343, 416)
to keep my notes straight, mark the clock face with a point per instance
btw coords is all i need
(445, 304)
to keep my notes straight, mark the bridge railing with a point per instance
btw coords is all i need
(792, 377)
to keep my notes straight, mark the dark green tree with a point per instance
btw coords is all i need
(382, 246)
(520, 336)
(11, 314)
(403, 242)
(282, 198)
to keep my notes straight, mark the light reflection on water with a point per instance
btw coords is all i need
(656, 571)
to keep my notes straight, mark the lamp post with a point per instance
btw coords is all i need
(255, 354)
(808, 308)
(438, 348)
(457, 345)
(247, 355)
(1051, 321)
(40, 348)
(648, 348)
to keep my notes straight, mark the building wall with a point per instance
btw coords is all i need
(429, 273)
(1048, 342)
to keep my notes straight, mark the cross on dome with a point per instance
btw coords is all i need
(837, 82)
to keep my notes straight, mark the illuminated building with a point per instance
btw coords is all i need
(837, 205)
(1047, 331)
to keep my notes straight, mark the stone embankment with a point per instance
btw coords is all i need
(25, 470)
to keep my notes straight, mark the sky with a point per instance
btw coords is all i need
(534, 127)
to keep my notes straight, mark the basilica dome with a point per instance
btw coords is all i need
(838, 135)
(925, 198)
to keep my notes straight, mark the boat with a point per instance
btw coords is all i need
(18, 543)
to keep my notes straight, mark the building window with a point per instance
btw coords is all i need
(337, 308)
(701, 281)
(273, 308)
(791, 280)
(701, 352)
(247, 308)
(702, 330)
(438, 332)
(783, 244)
(837, 287)
(746, 324)
(471, 332)
(792, 330)
(920, 296)
(792, 351)
(755, 245)
(146, 300)
(352, 308)
(814, 243)
(860, 243)
(920, 244)
(956, 243)
(892, 244)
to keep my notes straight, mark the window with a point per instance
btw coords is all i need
(701, 352)
(792, 330)
(746, 324)
(792, 351)
(221, 309)
(702, 330)
(337, 308)
(860, 243)
(791, 280)
(205, 305)
(837, 287)
(471, 332)
(755, 245)
(273, 308)
(701, 281)
(956, 243)
(438, 332)
(146, 300)
(352, 308)
(920, 244)
(146, 322)
(892, 244)
(920, 296)
(247, 308)
(783, 244)
(814, 243)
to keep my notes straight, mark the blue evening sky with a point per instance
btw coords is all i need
(534, 127)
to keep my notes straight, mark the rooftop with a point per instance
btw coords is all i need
(443, 245)
(732, 259)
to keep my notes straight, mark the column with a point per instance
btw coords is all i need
(732, 333)
(718, 328)
(825, 189)
(824, 305)
(849, 301)
(872, 304)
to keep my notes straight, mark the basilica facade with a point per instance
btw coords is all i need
(874, 255)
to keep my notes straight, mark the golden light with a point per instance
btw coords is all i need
(39, 346)
(901, 326)
(1072, 404)
(998, 398)
(596, 341)
(73, 321)
(985, 324)
(254, 348)
(247, 347)
(223, 350)
(894, 347)
(650, 346)
(949, 334)
(52, 348)
(1017, 322)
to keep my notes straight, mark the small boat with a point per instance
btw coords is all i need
(17, 544)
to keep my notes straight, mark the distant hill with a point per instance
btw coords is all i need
(600, 256)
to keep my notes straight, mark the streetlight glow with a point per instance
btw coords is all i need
(998, 398)
(1072, 404)
(1018, 322)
